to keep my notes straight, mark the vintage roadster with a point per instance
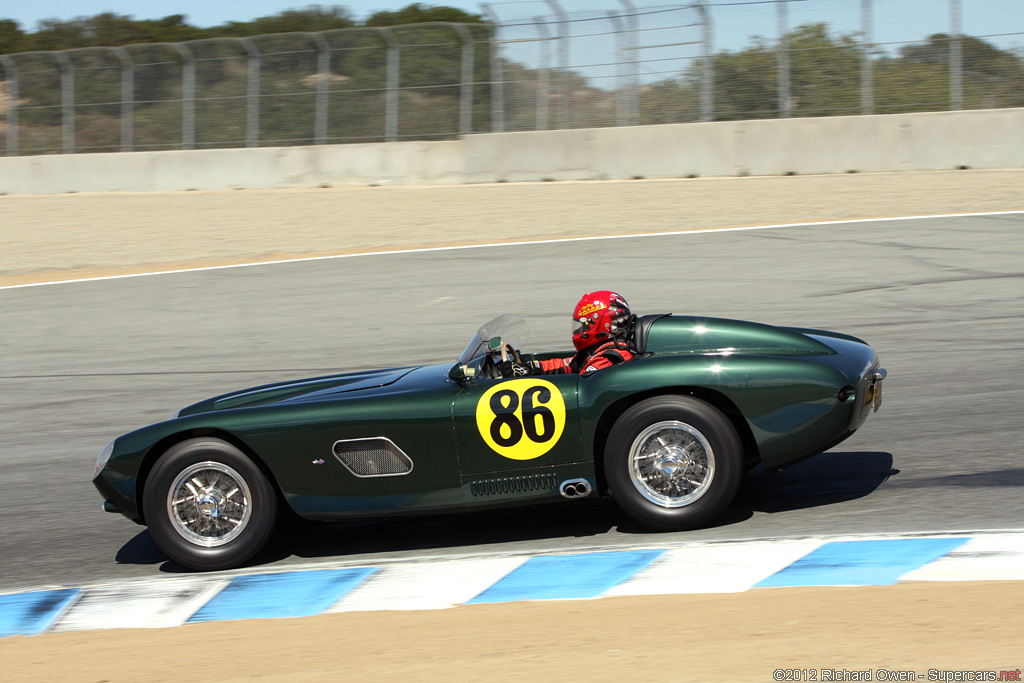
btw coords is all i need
(668, 435)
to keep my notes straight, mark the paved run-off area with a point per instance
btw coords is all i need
(944, 626)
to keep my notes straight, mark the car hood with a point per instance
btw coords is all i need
(315, 387)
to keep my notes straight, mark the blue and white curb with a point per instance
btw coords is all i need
(723, 567)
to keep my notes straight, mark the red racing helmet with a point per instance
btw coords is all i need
(599, 316)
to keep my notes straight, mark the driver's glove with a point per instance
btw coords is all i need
(509, 368)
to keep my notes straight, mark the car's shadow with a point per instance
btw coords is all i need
(827, 479)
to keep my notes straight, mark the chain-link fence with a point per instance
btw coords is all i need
(537, 64)
(350, 85)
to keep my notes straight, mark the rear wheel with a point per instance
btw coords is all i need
(673, 462)
(208, 506)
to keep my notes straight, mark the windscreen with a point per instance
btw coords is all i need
(511, 329)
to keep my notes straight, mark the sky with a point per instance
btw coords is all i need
(735, 20)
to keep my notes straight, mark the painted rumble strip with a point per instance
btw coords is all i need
(31, 613)
(153, 604)
(862, 563)
(721, 567)
(568, 576)
(290, 594)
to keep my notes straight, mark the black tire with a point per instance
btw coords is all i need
(673, 462)
(208, 506)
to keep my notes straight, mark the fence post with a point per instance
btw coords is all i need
(867, 74)
(543, 75)
(632, 31)
(11, 71)
(785, 105)
(67, 98)
(563, 63)
(391, 98)
(127, 98)
(252, 94)
(466, 88)
(956, 57)
(621, 84)
(188, 96)
(323, 77)
(707, 76)
(497, 86)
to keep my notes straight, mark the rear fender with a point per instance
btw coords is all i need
(751, 455)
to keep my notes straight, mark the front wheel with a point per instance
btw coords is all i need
(208, 506)
(673, 462)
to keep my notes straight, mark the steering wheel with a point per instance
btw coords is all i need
(506, 350)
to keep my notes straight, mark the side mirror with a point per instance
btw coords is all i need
(494, 344)
(462, 373)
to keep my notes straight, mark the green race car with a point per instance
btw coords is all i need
(667, 434)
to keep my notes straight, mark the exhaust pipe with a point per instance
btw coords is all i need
(574, 488)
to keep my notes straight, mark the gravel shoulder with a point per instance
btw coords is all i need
(733, 637)
(57, 237)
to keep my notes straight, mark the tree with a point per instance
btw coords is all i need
(110, 30)
(978, 56)
(114, 30)
(418, 14)
(919, 77)
(825, 79)
(669, 101)
(746, 83)
(12, 38)
(310, 19)
(431, 72)
(824, 76)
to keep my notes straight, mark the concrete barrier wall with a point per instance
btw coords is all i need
(899, 142)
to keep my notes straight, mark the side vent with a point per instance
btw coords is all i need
(376, 457)
(530, 482)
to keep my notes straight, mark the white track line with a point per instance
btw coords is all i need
(492, 245)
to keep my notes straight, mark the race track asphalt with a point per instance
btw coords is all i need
(938, 298)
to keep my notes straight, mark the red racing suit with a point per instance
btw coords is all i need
(586, 361)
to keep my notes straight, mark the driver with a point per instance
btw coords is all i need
(602, 323)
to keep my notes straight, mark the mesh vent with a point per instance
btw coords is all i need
(372, 457)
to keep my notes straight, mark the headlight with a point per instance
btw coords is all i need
(101, 461)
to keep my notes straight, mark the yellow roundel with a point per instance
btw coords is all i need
(521, 419)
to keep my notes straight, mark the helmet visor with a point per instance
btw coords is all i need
(581, 326)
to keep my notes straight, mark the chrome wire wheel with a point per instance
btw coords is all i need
(209, 504)
(671, 464)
